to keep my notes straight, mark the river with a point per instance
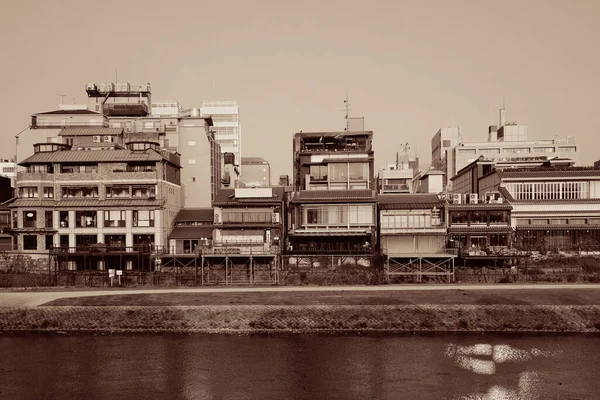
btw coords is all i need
(174, 366)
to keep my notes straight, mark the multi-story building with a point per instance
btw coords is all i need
(413, 236)
(256, 172)
(332, 209)
(74, 198)
(467, 179)
(506, 141)
(249, 220)
(553, 208)
(228, 129)
(129, 108)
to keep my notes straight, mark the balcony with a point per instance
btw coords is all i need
(34, 176)
(240, 248)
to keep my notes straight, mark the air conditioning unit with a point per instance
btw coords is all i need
(457, 198)
(275, 218)
(97, 139)
(108, 139)
(473, 198)
(446, 196)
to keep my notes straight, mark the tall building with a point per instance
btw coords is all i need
(130, 108)
(506, 141)
(8, 170)
(256, 172)
(227, 126)
(332, 208)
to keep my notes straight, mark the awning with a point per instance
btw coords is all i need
(480, 229)
(558, 228)
(191, 232)
(309, 233)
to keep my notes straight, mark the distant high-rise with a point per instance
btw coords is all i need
(227, 127)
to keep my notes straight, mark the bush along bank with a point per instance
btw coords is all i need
(304, 319)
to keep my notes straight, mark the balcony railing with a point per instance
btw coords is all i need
(398, 187)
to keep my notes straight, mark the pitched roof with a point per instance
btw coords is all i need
(318, 196)
(117, 155)
(544, 173)
(67, 112)
(195, 214)
(88, 203)
(90, 131)
(408, 201)
(191, 232)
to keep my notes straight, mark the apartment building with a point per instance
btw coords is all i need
(332, 209)
(130, 108)
(113, 197)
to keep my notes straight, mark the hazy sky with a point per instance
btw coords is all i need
(410, 67)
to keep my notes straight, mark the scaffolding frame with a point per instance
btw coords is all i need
(420, 265)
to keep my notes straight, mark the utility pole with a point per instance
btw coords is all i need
(347, 106)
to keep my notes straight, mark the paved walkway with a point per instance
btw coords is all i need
(36, 298)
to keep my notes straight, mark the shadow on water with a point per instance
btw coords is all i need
(411, 366)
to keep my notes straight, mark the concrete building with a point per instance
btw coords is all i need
(130, 108)
(8, 170)
(431, 181)
(75, 199)
(506, 141)
(256, 172)
(332, 209)
(227, 126)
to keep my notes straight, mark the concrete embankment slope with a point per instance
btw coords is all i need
(304, 318)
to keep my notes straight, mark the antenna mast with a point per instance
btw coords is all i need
(62, 98)
(347, 106)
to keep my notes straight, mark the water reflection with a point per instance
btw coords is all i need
(483, 358)
(299, 367)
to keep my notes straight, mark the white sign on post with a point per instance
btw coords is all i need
(119, 272)
(111, 273)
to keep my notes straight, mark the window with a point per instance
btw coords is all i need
(498, 217)
(143, 191)
(8, 169)
(318, 172)
(79, 192)
(37, 168)
(141, 168)
(29, 219)
(29, 192)
(458, 217)
(30, 242)
(117, 191)
(64, 219)
(360, 215)
(478, 217)
(49, 242)
(549, 190)
(143, 218)
(73, 169)
(446, 143)
(358, 171)
(114, 218)
(85, 219)
(338, 172)
(48, 192)
(49, 219)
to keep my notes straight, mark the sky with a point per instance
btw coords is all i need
(409, 67)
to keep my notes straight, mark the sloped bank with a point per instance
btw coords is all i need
(302, 319)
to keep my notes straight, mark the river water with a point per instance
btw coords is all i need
(300, 367)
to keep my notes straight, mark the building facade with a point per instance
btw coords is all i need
(256, 172)
(71, 200)
(228, 129)
(332, 209)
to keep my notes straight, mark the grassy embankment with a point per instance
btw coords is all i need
(278, 312)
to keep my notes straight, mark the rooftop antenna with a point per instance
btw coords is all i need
(73, 100)
(62, 98)
(116, 76)
(347, 106)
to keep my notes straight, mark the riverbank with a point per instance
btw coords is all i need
(248, 319)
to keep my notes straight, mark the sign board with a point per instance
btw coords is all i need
(111, 273)
(119, 272)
